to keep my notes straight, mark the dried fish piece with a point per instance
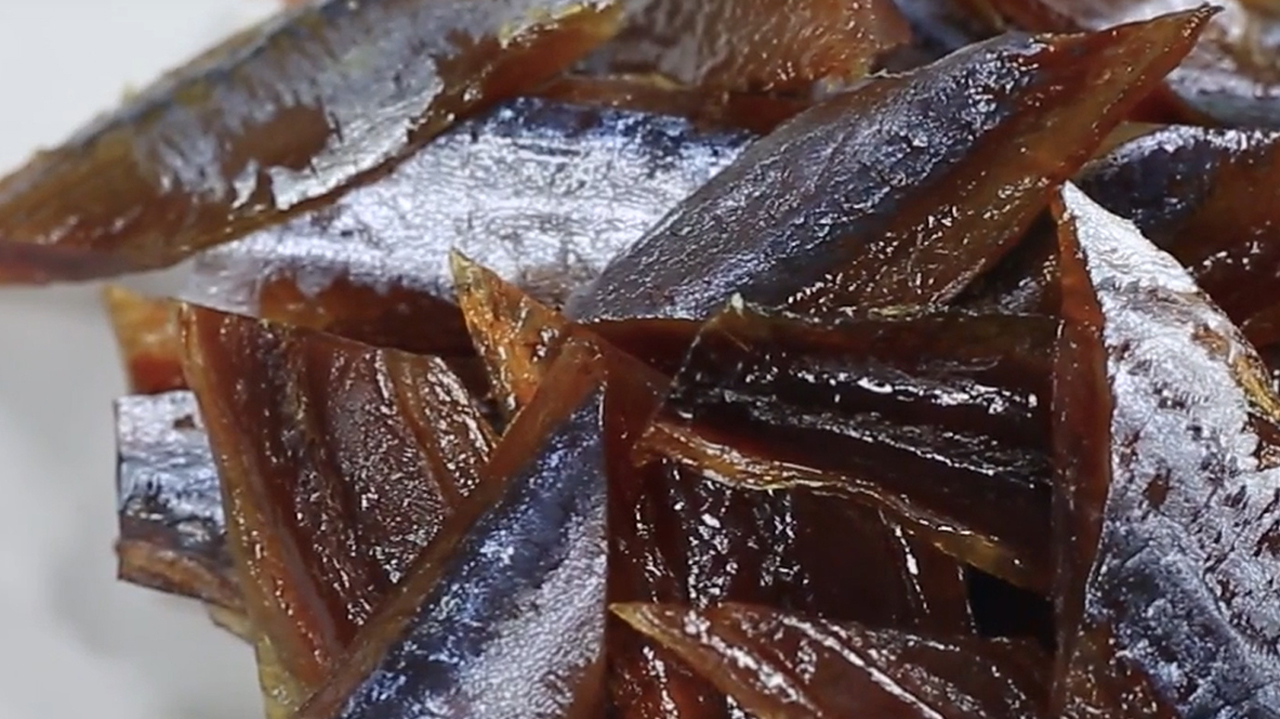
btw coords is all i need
(505, 616)
(542, 192)
(852, 235)
(754, 45)
(172, 527)
(759, 113)
(940, 27)
(339, 463)
(941, 421)
(675, 536)
(518, 337)
(782, 666)
(1169, 496)
(1232, 74)
(1207, 197)
(324, 95)
(148, 340)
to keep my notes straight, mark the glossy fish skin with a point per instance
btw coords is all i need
(1231, 75)
(338, 462)
(1171, 499)
(172, 527)
(675, 536)
(505, 618)
(286, 114)
(148, 340)
(753, 45)
(786, 666)
(543, 193)
(941, 421)
(1207, 197)
(850, 236)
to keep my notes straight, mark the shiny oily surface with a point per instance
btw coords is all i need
(543, 193)
(756, 45)
(940, 421)
(780, 665)
(339, 463)
(1207, 196)
(1171, 563)
(507, 618)
(281, 115)
(915, 187)
(676, 536)
(172, 527)
(1232, 75)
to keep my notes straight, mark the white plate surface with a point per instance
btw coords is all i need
(73, 641)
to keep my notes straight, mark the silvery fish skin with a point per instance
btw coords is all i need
(282, 115)
(543, 193)
(1168, 442)
(172, 527)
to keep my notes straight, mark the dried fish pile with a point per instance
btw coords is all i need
(703, 359)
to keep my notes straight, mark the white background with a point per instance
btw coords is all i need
(73, 641)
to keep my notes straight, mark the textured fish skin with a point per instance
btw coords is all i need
(1228, 78)
(753, 45)
(897, 193)
(1168, 441)
(1207, 196)
(172, 527)
(283, 115)
(506, 618)
(543, 193)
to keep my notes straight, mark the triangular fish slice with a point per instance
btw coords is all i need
(504, 617)
(897, 193)
(339, 463)
(940, 420)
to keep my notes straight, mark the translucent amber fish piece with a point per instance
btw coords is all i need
(148, 338)
(780, 665)
(754, 45)
(339, 463)
(941, 421)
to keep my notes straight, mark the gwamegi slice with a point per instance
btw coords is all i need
(1168, 506)
(282, 116)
